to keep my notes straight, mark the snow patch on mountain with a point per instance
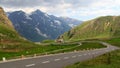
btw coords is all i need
(20, 13)
(72, 25)
(40, 25)
(53, 26)
(37, 24)
(57, 22)
(28, 17)
(46, 15)
(24, 22)
(40, 33)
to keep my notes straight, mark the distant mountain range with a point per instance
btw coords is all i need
(102, 27)
(39, 26)
(70, 21)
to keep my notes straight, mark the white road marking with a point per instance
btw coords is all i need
(29, 65)
(73, 56)
(89, 54)
(113, 49)
(85, 54)
(106, 50)
(79, 55)
(46, 62)
(56, 59)
(66, 57)
(93, 53)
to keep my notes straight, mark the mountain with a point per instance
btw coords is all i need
(38, 26)
(102, 27)
(10, 41)
(70, 21)
(7, 31)
(4, 20)
(8, 35)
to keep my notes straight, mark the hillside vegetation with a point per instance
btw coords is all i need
(10, 40)
(12, 45)
(109, 60)
(102, 27)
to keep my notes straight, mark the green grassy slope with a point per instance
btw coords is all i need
(114, 41)
(109, 60)
(13, 45)
(102, 27)
(6, 28)
(10, 40)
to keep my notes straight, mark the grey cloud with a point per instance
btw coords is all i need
(21, 3)
(29, 3)
(80, 3)
(45, 3)
(64, 7)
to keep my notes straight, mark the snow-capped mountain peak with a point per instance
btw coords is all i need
(38, 26)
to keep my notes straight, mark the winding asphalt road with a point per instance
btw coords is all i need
(57, 60)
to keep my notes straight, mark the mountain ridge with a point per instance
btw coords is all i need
(101, 27)
(38, 25)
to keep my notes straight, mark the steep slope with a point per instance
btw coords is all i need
(38, 25)
(102, 27)
(7, 31)
(4, 20)
(10, 40)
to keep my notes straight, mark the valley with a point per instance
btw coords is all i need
(41, 40)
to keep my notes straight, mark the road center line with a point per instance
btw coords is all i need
(89, 54)
(29, 65)
(66, 57)
(107, 50)
(113, 49)
(46, 62)
(93, 53)
(73, 56)
(56, 59)
(96, 52)
(79, 55)
(85, 54)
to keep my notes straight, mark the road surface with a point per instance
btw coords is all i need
(58, 60)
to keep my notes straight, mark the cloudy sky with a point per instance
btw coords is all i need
(78, 9)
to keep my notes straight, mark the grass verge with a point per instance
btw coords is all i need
(49, 49)
(109, 60)
(114, 41)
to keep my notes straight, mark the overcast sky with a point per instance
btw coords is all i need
(78, 9)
